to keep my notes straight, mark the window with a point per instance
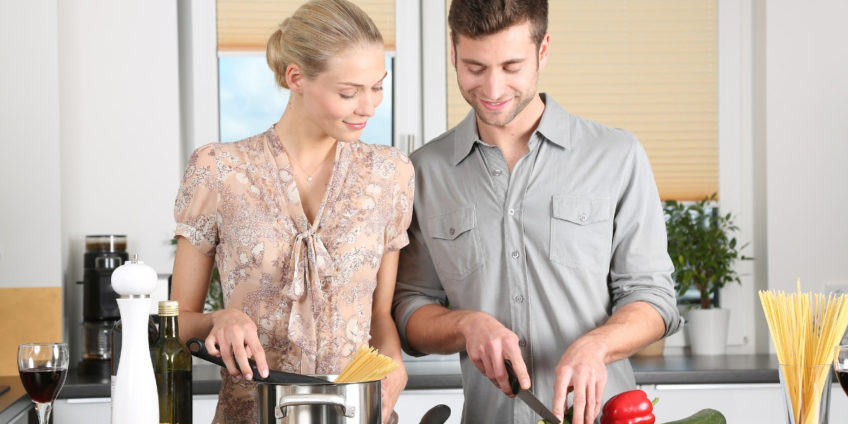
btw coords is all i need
(650, 67)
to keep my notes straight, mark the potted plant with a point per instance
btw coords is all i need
(703, 251)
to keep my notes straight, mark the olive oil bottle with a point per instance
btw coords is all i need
(172, 367)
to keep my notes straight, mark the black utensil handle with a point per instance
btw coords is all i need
(436, 415)
(513, 380)
(198, 348)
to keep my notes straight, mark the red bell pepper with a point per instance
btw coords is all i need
(632, 407)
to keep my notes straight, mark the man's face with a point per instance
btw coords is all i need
(498, 74)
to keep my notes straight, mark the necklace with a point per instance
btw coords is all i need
(308, 174)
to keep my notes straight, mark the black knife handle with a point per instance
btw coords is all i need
(513, 380)
(198, 349)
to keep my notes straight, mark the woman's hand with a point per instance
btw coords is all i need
(234, 339)
(392, 385)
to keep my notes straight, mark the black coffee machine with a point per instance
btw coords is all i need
(103, 253)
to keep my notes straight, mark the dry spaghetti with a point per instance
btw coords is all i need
(805, 329)
(366, 365)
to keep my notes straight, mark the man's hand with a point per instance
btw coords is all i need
(488, 343)
(581, 370)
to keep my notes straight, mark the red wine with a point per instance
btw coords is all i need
(842, 376)
(43, 384)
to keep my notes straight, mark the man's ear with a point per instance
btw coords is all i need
(294, 78)
(544, 50)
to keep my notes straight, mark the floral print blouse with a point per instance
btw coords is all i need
(307, 287)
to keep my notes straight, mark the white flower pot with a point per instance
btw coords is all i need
(708, 331)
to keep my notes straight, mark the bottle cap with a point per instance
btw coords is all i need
(169, 308)
(134, 278)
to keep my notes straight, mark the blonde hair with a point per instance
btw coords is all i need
(318, 30)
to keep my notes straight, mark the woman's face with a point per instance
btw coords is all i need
(342, 98)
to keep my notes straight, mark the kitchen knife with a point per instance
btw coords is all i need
(198, 349)
(527, 396)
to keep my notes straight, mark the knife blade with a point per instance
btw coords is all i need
(527, 397)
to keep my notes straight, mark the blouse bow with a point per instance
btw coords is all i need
(311, 263)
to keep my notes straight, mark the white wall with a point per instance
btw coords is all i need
(806, 125)
(120, 131)
(29, 145)
(120, 124)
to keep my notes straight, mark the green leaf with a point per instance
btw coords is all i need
(701, 246)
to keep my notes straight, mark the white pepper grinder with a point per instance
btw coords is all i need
(134, 399)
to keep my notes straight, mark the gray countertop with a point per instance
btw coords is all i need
(13, 401)
(443, 373)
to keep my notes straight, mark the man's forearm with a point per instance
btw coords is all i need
(627, 331)
(436, 329)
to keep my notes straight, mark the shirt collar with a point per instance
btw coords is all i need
(552, 127)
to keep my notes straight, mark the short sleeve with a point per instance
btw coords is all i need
(402, 196)
(195, 209)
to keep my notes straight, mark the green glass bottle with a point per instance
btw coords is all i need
(172, 367)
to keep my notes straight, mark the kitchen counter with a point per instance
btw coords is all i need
(13, 401)
(444, 374)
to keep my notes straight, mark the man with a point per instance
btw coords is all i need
(537, 237)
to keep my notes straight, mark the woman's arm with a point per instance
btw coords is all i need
(189, 286)
(384, 334)
(228, 333)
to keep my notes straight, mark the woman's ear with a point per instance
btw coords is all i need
(294, 78)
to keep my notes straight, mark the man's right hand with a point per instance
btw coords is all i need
(234, 338)
(488, 343)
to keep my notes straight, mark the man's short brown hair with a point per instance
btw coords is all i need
(478, 18)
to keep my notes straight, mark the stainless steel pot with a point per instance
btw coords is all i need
(346, 403)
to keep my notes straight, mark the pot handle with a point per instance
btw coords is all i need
(313, 399)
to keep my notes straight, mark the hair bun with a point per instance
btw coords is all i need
(284, 25)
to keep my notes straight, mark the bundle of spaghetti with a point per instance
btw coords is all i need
(805, 329)
(366, 365)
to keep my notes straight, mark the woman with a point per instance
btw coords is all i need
(303, 221)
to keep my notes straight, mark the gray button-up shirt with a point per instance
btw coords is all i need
(550, 250)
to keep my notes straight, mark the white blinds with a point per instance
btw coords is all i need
(245, 25)
(649, 66)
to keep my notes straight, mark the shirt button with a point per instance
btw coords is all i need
(582, 217)
(518, 298)
(515, 254)
(522, 343)
(497, 172)
(452, 231)
(511, 211)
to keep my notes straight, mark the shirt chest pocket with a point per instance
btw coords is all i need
(454, 245)
(581, 232)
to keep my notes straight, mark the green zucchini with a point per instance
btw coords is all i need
(704, 416)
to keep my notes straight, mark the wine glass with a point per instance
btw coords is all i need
(840, 366)
(43, 368)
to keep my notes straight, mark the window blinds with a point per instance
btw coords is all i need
(245, 25)
(649, 66)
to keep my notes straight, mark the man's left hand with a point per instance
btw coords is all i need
(581, 370)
